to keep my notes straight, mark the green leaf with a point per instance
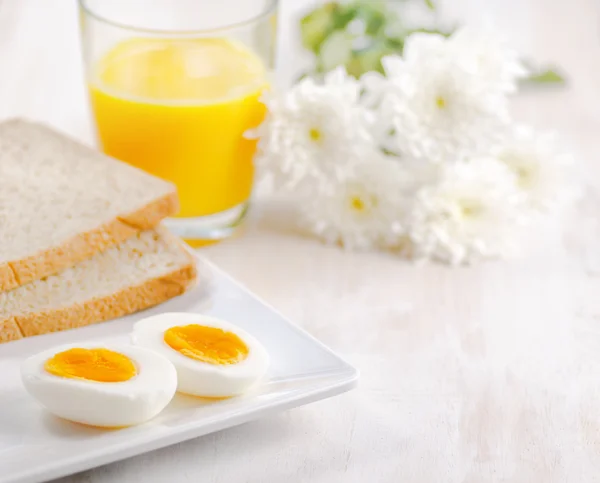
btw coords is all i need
(369, 59)
(376, 24)
(395, 44)
(317, 25)
(443, 33)
(548, 76)
(336, 50)
(342, 16)
(376, 17)
(430, 5)
(362, 63)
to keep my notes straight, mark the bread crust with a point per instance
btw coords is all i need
(84, 245)
(99, 309)
(9, 331)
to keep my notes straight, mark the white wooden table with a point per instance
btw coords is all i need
(470, 375)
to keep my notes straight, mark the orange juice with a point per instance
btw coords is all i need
(179, 108)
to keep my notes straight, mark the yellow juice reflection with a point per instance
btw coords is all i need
(179, 108)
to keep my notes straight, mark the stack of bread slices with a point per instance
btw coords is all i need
(80, 240)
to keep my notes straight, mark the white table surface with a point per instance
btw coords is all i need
(469, 375)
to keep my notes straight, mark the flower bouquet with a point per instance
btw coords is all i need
(422, 158)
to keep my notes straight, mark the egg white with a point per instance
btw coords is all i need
(103, 404)
(199, 378)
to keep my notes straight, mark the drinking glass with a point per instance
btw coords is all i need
(174, 87)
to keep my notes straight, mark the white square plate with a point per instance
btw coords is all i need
(36, 446)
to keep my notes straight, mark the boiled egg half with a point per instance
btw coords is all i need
(102, 386)
(213, 358)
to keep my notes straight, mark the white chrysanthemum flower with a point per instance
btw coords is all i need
(374, 86)
(314, 131)
(461, 182)
(489, 56)
(364, 211)
(470, 212)
(542, 169)
(438, 102)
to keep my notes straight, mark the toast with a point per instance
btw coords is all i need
(147, 269)
(62, 202)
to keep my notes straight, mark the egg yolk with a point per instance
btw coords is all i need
(207, 344)
(100, 365)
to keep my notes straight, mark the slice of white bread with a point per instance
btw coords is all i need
(147, 269)
(62, 202)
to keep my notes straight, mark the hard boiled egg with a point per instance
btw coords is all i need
(100, 385)
(213, 358)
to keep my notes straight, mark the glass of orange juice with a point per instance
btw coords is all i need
(174, 86)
